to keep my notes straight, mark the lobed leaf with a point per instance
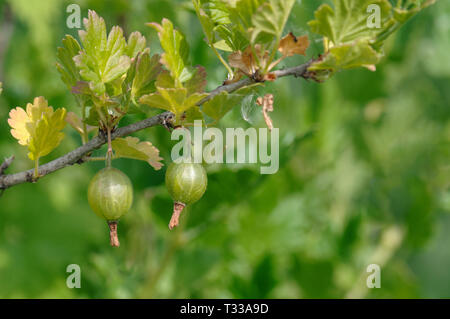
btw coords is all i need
(175, 100)
(271, 18)
(146, 70)
(39, 127)
(222, 103)
(66, 65)
(130, 147)
(136, 44)
(176, 50)
(350, 40)
(104, 59)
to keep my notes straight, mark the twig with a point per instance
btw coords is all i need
(77, 156)
(6, 163)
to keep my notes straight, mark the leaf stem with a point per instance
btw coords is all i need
(109, 153)
(84, 136)
(272, 55)
(219, 56)
(36, 169)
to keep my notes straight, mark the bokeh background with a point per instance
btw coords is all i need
(364, 177)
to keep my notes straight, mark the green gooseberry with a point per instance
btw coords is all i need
(110, 195)
(186, 183)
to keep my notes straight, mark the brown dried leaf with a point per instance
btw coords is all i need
(291, 45)
(267, 104)
(244, 61)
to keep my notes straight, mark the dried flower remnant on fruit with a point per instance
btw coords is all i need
(113, 237)
(175, 219)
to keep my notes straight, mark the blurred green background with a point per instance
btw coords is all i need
(364, 177)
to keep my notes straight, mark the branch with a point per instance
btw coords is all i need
(6, 163)
(78, 156)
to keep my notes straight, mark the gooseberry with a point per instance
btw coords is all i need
(186, 183)
(110, 195)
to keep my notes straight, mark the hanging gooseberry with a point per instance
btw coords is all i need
(186, 183)
(110, 196)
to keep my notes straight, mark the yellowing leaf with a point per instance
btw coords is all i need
(130, 147)
(39, 127)
(291, 45)
(174, 100)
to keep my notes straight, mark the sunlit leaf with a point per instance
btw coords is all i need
(130, 147)
(175, 100)
(176, 50)
(136, 43)
(39, 127)
(104, 58)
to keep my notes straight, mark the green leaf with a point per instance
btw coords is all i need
(347, 22)
(176, 50)
(39, 127)
(216, 16)
(197, 83)
(410, 9)
(222, 103)
(348, 25)
(241, 12)
(271, 18)
(103, 59)
(164, 80)
(233, 37)
(205, 20)
(147, 70)
(193, 114)
(130, 147)
(93, 118)
(66, 65)
(175, 100)
(136, 43)
(348, 56)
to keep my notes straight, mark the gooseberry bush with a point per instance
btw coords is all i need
(112, 75)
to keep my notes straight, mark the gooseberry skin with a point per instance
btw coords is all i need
(186, 182)
(110, 194)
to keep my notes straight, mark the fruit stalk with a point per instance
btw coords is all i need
(177, 209)
(114, 238)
